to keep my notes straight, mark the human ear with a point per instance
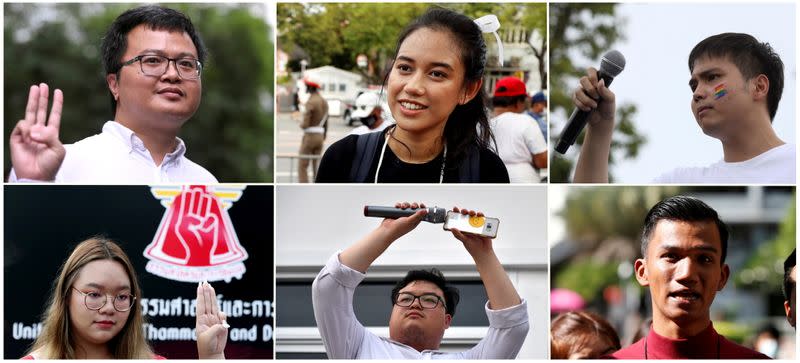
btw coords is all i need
(470, 91)
(113, 85)
(641, 272)
(725, 273)
(447, 319)
(760, 87)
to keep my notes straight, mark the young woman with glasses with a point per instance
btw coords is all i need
(93, 311)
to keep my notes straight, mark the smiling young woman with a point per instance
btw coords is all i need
(93, 311)
(435, 94)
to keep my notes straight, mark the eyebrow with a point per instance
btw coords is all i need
(435, 64)
(423, 293)
(161, 52)
(98, 286)
(704, 74)
(705, 247)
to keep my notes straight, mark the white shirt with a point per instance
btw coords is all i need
(118, 156)
(517, 136)
(363, 129)
(345, 338)
(776, 165)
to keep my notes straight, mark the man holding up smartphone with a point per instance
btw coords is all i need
(424, 304)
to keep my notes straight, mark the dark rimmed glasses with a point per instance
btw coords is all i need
(157, 65)
(96, 301)
(427, 301)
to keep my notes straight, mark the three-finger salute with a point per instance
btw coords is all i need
(36, 151)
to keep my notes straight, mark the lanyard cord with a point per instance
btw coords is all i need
(383, 151)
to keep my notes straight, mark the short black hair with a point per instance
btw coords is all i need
(750, 56)
(115, 42)
(686, 209)
(788, 282)
(434, 276)
(507, 101)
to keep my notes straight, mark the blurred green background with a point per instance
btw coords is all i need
(231, 134)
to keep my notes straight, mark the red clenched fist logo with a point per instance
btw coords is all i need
(196, 240)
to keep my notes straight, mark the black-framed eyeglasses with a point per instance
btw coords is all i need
(96, 301)
(157, 65)
(427, 301)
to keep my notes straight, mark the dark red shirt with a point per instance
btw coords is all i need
(706, 345)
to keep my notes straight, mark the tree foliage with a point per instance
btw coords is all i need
(579, 35)
(764, 269)
(232, 132)
(335, 33)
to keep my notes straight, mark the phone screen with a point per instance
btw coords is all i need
(484, 226)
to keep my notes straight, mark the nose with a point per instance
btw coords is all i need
(686, 272)
(415, 84)
(416, 303)
(108, 307)
(172, 71)
(699, 93)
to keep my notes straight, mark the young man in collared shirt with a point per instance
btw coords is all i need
(153, 62)
(423, 302)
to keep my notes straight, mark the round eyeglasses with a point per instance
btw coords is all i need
(427, 301)
(96, 301)
(157, 65)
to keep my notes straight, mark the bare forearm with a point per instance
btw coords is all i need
(499, 288)
(592, 164)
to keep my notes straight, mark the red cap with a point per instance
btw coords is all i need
(311, 83)
(509, 86)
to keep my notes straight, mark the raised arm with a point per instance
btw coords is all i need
(36, 151)
(499, 288)
(592, 166)
(360, 255)
(211, 327)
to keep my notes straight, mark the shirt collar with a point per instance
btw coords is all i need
(134, 143)
(702, 345)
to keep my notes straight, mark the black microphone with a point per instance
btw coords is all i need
(612, 63)
(435, 214)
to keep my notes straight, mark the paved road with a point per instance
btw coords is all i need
(288, 142)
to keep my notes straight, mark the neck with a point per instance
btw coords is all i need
(158, 142)
(416, 148)
(86, 350)
(749, 142)
(679, 330)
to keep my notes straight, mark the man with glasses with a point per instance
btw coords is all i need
(153, 60)
(423, 303)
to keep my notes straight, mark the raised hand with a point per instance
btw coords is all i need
(592, 94)
(474, 243)
(211, 327)
(36, 151)
(400, 226)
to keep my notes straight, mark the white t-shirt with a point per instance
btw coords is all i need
(345, 338)
(363, 129)
(118, 156)
(518, 137)
(776, 165)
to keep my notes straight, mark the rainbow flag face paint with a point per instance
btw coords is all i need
(720, 91)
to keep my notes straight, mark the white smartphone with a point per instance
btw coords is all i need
(483, 226)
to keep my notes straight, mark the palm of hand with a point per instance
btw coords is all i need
(37, 160)
(211, 340)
